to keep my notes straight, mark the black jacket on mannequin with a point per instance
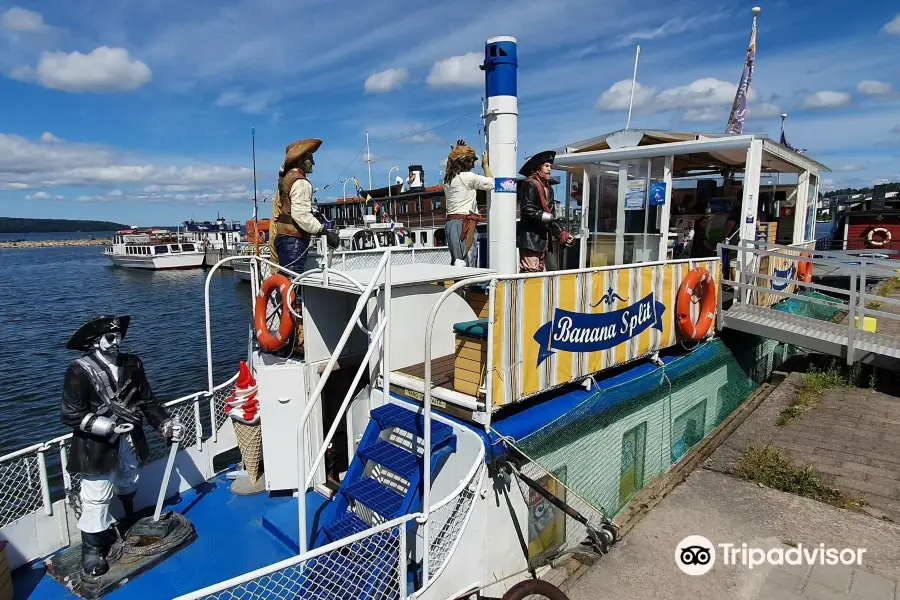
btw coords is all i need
(95, 455)
(533, 233)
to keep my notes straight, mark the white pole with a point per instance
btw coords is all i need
(391, 172)
(637, 56)
(369, 160)
(783, 117)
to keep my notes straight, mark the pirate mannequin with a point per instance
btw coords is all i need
(460, 188)
(106, 396)
(292, 211)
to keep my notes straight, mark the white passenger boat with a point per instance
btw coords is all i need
(154, 249)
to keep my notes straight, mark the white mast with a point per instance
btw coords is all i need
(637, 57)
(369, 160)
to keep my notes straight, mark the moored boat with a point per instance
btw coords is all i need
(153, 249)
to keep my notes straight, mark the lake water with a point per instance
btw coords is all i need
(47, 293)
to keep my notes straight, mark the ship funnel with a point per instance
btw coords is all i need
(501, 124)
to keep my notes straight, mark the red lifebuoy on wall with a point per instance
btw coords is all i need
(268, 340)
(701, 284)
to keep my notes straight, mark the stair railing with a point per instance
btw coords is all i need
(384, 266)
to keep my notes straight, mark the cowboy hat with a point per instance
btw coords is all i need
(294, 152)
(96, 328)
(532, 164)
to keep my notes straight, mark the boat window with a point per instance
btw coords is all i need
(424, 237)
(631, 467)
(436, 204)
(161, 249)
(440, 238)
(688, 429)
(187, 247)
(174, 248)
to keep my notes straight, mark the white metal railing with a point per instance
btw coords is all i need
(748, 279)
(383, 329)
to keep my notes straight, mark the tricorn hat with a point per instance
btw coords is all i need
(294, 152)
(94, 329)
(531, 165)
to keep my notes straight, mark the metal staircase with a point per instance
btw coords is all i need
(385, 478)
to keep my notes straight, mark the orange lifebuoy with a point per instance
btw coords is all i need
(700, 283)
(805, 269)
(267, 340)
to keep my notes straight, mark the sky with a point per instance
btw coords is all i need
(141, 112)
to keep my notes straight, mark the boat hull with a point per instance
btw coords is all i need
(185, 260)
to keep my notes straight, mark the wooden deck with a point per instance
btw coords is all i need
(441, 371)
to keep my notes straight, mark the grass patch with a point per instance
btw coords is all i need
(810, 392)
(888, 286)
(766, 465)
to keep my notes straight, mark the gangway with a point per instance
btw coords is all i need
(765, 275)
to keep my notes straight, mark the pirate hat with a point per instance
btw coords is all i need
(294, 152)
(94, 329)
(531, 165)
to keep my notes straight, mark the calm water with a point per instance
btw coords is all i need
(47, 293)
(55, 235)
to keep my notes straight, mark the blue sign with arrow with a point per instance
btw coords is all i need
(658, 193)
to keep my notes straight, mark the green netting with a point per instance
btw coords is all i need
(621, 437)
(812, 310)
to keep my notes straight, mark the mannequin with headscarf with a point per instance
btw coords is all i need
(106, 397)
(460, 190)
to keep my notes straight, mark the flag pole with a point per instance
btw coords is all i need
(783, 117)
(255, 199)
(637, 56)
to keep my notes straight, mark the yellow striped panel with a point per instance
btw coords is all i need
(623, 290)
(499, 366)
(669, 287)
(645, 339)
(567, 288)
(531, 317)
(599, 286)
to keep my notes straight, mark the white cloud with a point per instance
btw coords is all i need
(848, 168)
(671, 27)
(104, 69)
(707, 91)
(895, 129)
(457, 71)
(893, 26)
(618, 95)
(253, 103)
(386, 81)
(763, 110)
(21, 20)
(827, 99)
(702, 115)
(49, 138)
(871, 87)
(38, 196)
(35, 164)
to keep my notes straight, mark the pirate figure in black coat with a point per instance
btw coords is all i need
(106, 396)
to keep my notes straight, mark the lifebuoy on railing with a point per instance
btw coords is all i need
(805, 269)
(698, 283)
(884, 235)
(268, 340)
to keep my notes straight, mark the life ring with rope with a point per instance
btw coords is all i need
(805, 269)
(268, 340)
(698, 283)
(883, 233)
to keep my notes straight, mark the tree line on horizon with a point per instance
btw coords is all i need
(889, 187)
(21, 225)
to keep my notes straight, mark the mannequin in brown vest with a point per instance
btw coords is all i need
(292, 209)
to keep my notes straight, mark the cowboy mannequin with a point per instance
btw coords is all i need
(292, 212)
(460, 186)
(537, 223)
(103, 393)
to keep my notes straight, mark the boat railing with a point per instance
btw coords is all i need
(34, 479)
(758, 283)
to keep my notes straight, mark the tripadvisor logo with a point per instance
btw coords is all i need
(696, 555)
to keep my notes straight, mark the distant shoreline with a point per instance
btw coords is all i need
(24, 244)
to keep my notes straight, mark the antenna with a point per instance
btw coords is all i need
(637, 57)
(369, 160)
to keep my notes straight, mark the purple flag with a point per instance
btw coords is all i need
(739, 108)
(784, 142)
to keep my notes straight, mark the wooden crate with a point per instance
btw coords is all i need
(767, 232)
(479, 303)
(469, 365)
(6, 585)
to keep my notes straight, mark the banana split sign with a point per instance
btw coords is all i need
(571, 331)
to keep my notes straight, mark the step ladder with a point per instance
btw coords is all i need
(384, 480)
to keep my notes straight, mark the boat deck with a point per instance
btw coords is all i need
(231, 540)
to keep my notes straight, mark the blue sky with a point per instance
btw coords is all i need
(140, 112)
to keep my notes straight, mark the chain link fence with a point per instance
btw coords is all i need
(447, 521)
(370, 567)
(20, 487)
(357, 261)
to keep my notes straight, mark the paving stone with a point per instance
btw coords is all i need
(837, 577)
(790, 576)
(817, 591)
(869, 586)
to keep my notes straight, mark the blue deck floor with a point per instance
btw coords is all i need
(231, 540)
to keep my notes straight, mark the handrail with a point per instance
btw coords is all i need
(317, 394)
(299, 558)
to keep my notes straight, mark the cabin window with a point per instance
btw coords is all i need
(437, 203)
(812, 195)
(440, 238)
(187, 247)
(174, 248)
(688, 429)
(424, 238)
(631, 468)
(161, 249)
